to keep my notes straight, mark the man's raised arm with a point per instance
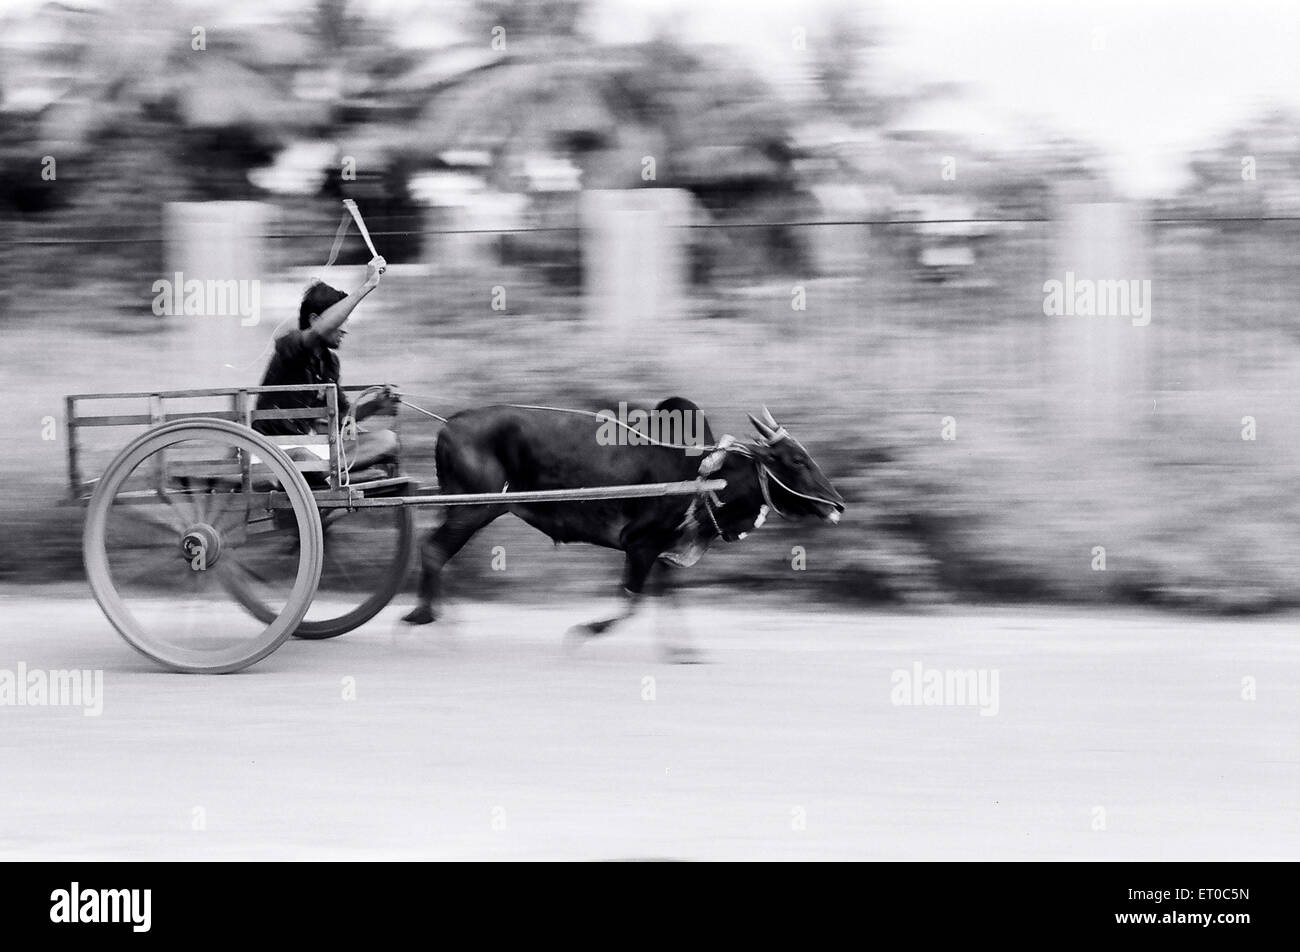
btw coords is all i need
(333, 316)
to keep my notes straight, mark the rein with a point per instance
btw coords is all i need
(429, 413)
(606, 418)
(716, 453)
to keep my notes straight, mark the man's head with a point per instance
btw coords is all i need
(319, 298)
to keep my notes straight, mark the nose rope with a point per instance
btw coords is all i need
(794, 492)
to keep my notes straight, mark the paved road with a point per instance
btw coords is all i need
(484, 739)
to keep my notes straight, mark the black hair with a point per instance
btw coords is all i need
(319, 298)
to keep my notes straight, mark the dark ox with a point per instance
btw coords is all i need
(522, 448)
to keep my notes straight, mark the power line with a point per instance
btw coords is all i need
(724, 225)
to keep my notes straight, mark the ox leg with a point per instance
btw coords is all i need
(437, 550)
(675, 641)
(636, 569)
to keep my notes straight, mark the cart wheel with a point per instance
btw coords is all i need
(170, 539)
(367, 554)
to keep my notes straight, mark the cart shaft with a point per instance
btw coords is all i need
(689, 487)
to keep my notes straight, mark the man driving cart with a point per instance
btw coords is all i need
(309, 355)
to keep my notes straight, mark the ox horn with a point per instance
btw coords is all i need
(764, 430)
(778, 431)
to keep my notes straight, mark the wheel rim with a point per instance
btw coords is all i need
(169, 537)
(366, 555)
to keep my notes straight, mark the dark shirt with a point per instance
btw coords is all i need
(295, 361)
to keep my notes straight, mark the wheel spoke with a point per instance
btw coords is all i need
(150, 573)
(158, 519)
(237, 563)
(166, 516)
(184, 506)
(239, 577)
(228, 512)
(191, 503)
(203, 503)
(340, 565)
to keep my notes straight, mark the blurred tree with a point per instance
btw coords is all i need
(336, 29)
(838, 54)
(842, 53)
(1254, 169)
(528, 19)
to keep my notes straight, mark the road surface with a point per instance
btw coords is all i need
(1115, 735)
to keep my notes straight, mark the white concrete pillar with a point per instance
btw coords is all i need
(219, 312)
(634, 259)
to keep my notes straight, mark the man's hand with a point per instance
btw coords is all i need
(385, 401)
(374, 269)
(332, 318)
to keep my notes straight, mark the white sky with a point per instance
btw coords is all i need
(1168, 76)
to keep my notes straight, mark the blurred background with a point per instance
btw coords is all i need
(847, 212)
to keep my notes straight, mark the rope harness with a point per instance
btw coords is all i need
(711, 501)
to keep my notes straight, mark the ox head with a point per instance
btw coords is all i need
(797, 485)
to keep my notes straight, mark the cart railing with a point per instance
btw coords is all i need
(238, 404)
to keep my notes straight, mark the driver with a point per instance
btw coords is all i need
(308, 355)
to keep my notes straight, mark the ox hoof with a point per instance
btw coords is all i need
(420, 615)
(578, 633)
(683, 655)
